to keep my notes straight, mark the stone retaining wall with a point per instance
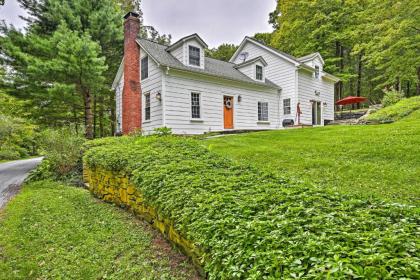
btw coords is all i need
(117, 188)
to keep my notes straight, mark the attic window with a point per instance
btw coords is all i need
(317, 72)
(259, 72)
(145, 68)
(194, 56)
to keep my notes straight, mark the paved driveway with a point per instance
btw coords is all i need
(12, 174)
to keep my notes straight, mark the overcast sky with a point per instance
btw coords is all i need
(216, 21)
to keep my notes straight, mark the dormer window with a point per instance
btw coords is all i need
(316, 72)
(194, 56)
(258, 72)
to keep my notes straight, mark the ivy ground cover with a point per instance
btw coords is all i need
(381, 161)
(253, 224)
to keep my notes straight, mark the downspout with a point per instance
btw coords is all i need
(278, 108)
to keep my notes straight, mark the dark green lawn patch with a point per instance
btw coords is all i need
(377, 160)
(254, 224)
(52, 231)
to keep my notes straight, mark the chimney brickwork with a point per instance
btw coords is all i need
(131, 97)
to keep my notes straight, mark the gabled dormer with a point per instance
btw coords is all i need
(315, 61)
(189, 51)
(253, 68)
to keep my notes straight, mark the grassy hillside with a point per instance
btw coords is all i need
(52, 231)
(380, 160)
(395, 112)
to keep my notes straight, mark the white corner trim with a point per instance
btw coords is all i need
(118, 75)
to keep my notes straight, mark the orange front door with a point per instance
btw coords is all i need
(228, 111)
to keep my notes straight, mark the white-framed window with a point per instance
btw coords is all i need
(316, 72)
(145, 67)
(263, 111)
(195, 105)
(147, 107)
(258, 72)
(194, 56)
(287, 108)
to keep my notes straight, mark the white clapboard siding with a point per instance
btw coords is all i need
(152, 85)
(118, 100)
(308, 84)
(278, 71)
(178, 88)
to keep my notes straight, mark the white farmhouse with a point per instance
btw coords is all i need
(179, 87)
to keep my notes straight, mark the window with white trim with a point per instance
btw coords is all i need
(195, 105)
(263, 111)
(194, 56)
(286, 106)
(145, 67)
(147, 107)
(316, 72)
(258, 72)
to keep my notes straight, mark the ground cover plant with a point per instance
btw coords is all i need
(253, 224)
(373, 160)
(54, 231)
(395, 112)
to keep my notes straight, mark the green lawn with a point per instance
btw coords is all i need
(375, 160)
(52, 231)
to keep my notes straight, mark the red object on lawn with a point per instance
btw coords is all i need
(351, 100)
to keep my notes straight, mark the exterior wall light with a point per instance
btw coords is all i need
(159, 96)
(239, 98)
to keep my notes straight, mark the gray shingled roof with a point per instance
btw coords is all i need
(213, 67)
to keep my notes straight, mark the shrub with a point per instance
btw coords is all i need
(17, 138)
(391, 97)
(395, 112)
(163, 131)
(257, 225)
(62, 149)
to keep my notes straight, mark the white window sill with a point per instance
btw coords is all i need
(147, 121)
(263, 122)
(197, 120)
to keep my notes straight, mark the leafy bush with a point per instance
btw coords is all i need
(391, 97)
(62, 150)
(395, 112)
(163, 131)
(17, 138)
(257, 225)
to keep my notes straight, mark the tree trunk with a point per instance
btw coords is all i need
(397, 84)
(101, 116)
(359, 78)
(112, 113)
(408, 89)
(87, 98)
(339, 65)
(95, 134)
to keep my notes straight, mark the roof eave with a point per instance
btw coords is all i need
(259, 58)
(186, 38)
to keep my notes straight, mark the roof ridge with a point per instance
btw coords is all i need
(274, 49)
(151, 41)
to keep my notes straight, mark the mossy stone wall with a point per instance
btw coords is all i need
(117, 188)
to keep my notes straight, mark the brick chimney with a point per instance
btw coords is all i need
(131, 97)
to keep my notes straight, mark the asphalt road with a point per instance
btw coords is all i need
(12, 174)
